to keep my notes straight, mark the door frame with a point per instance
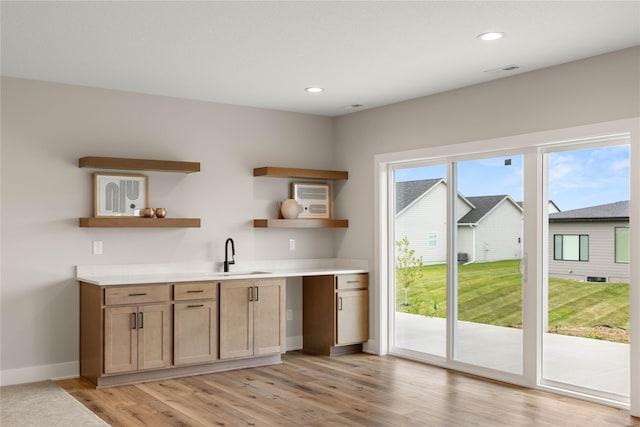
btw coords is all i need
(530, 145)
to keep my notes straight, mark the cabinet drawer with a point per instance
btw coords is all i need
(196, 290)
(352, 281)
(137, 294)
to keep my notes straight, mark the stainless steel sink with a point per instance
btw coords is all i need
(244, 273)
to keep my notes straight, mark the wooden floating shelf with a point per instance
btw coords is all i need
(300, 223)
(300, 173)
(138, 164)
(137, 222)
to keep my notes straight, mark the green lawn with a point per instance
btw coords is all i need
(492, 293)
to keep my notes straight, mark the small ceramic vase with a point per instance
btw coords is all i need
(161, 212)
(290, 209)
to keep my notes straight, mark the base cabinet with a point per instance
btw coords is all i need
(335, 313)
(195, 326)
(252, 318)
(137, 337)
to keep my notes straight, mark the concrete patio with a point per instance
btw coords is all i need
(589, 363)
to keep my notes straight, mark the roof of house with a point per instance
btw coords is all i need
(483, 205)
(611, 211)
(408, 191)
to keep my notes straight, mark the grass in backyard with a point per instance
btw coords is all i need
(491, 293)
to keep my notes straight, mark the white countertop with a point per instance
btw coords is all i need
(133, 274)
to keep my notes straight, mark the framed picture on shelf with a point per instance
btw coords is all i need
(314, 199)
(117, 195)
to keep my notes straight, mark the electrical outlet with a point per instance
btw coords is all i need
(289, 314)
(97, 247)
(292, 244)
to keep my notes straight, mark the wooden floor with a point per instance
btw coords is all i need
(353, 390)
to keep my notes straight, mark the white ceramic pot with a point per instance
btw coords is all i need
(289, 209)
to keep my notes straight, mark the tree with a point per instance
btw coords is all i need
(408, 267)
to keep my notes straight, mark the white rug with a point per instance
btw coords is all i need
(43, 404)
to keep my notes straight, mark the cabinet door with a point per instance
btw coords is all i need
(236, 319)
(352, 317)
(154, 336)
(120, 339)
(269, 317)
(195, 332)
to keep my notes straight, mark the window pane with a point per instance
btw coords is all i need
(622, 244)
(557, 247)
(584, 248)
(570, 248)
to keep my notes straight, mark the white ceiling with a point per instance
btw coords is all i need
(264, 54)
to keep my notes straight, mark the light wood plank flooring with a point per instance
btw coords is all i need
(353, 390)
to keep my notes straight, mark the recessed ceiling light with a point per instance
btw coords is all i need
(490, 36)
(314, 89)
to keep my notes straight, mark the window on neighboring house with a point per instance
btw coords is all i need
(571, 247)
(622, 244)
(432, 240)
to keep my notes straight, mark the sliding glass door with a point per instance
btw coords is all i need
(481, 271)
(490, 213)
(585, 308)
(517, 264)
(420, 256)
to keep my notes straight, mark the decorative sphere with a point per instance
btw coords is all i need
(290, 209)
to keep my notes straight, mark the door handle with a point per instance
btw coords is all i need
(251, 293)
(141, 320)
(257, 294)
(135, 321)
(339, 303)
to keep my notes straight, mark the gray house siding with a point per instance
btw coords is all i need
(601, 261)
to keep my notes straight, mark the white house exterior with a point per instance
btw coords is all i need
(489, 227)
(492, 231)
(590, 244)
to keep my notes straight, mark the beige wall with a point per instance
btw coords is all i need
(45, 129)
(599, 89)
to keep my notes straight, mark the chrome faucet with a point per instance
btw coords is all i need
(227, 263)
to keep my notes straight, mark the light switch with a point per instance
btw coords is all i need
(292, 244)
(97, 247)
(289, 314)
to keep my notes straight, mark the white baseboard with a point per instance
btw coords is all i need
(72, 369)
(371, 347)
(39, 373)
(294, 343)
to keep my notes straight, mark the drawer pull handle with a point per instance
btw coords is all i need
(135, 321)
(195, 292)
(138, 295)
(353, 281)
(195, 306)
(141, 320)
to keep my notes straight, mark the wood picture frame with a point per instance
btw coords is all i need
(119, 195)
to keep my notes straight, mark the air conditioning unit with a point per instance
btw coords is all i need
(314, 199)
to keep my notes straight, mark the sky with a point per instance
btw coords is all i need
(577, 179)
